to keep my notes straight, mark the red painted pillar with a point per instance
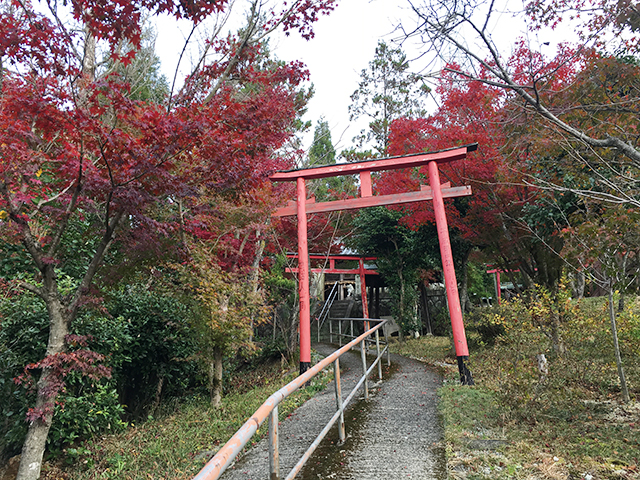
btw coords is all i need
(363, 294)
(303, 277)
(363, 291)
(455, 312)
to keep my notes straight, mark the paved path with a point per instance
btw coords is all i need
(395, 434)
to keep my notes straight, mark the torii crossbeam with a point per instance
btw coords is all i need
(435, 192)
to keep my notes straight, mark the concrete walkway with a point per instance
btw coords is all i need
(395, 434)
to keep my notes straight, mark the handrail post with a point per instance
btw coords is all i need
(378, 355)
(336, 375)
(340, 333)
(364, 367)
(352, 337)
(330, 330)
(274, 445)
(386, 339)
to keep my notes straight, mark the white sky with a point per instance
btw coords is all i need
(343, 45)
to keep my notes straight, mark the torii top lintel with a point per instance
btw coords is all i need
(390, 163)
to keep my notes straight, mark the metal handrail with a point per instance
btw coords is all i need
(326, 308)
(342, 335)
(225, 456)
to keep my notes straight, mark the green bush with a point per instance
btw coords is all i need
(584, 369)
(23, 339)
(91, 410)
(488, 323)
(441, 322)
(160, 348)
(144, 337)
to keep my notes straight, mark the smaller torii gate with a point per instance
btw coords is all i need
(435, 191)
(361, 271)
(496, 280)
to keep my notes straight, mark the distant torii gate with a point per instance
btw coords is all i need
(435, 192)
(361, 271)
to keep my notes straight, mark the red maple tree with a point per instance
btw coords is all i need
(77, 149)
(470, 112)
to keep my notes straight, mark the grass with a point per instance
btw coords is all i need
(514, 425)
(511, 425)
(177, 443)
(430, 349)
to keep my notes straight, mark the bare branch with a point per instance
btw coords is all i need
(102, 248)
(245, 41)
(31, 288)
(57, 238)
(444, 30)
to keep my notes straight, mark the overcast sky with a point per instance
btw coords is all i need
(344, 44)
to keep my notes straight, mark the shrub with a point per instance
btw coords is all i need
(23, 337)
(584, 370)
(23, 340)
(158, 358)
(144, 337)
(91, 409)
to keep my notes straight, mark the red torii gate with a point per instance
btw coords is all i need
(361, 271)
(435, 191)
(496, 280)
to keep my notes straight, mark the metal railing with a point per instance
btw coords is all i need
(324, 313)
(225, 456)
(341, 332)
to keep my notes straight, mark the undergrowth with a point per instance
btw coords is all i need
(184, 435)
(517, 422)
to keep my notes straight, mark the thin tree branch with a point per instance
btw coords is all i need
(98, 256)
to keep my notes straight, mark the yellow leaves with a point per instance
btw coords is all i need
(3, 215)
(39, 172)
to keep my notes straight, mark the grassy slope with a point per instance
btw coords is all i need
(510, 425)
(570, 425)
(177, 443)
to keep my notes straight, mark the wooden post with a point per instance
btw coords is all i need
(455, 312)
(303, 278)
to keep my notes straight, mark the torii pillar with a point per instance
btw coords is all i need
(435, 192)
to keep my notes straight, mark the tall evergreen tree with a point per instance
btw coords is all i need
(387, 91)
(322, 151)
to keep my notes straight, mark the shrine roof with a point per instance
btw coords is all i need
(389, 163)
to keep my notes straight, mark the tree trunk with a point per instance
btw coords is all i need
(158, 397)
(616, 348)
(36, 439)
(89, 57)
(294, 330)
(215, 378)
(255, 276)
(425, 306)
(621, 303)
(577, 285)
(401, 308)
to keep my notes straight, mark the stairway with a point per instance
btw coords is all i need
(342, 308)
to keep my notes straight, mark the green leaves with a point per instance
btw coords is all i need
(379, 232)
(387, 91)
